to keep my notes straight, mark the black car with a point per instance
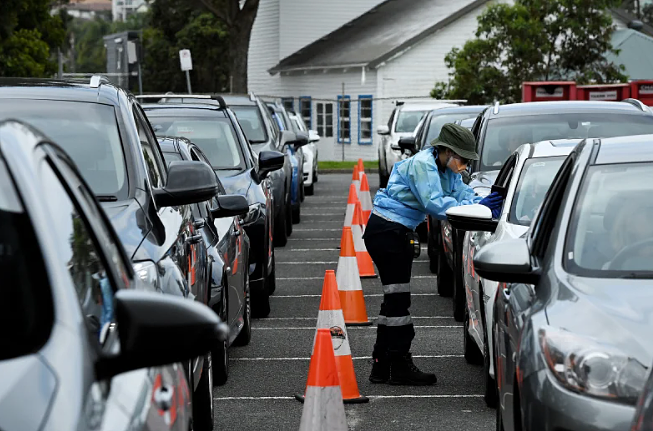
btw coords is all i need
(227, 247)
(105, 132)
(211, 125)
(499, 130)
(84, 340)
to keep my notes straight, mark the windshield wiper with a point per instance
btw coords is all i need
(639, 275)
(255, 141)
(107, 198)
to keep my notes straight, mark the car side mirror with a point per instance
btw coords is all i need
(507, 261)
(383, 130)
(156, 329)
(474, 217)
(188, 182)
(408, 144)
(269, 161)
(301, 140)
(230, 206)
(313, 136)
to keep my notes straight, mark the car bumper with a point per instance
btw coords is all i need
(392, 157)
(548, 406)
(308, 169)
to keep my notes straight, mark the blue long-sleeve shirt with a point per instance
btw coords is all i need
(417, 187)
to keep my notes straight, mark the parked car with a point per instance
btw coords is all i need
(572, 315)
(212, 126)
(523, 180)
(105, 132)
(85, 341)
(467, 122)
(310, 151)
(219, 221)
(279, 113)
(643, 420)
(403, 122)
(264, 135)
(502, 129)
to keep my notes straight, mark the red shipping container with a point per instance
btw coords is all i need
(603, 92)
(642, 90)
(546, 91)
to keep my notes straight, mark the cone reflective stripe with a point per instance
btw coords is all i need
(349, 283)
(330, 317)
(356, 180)
(323, 406)
(351, 205)
(361, 169)
(365, 198)
(363, 258)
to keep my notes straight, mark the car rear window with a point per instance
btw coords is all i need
(504, 135)
(611, 233)
(437, 121)
(88, 132)
(535, 179)
(407, 121)
(250, 120)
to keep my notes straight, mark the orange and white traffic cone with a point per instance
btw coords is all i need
(330, 317)
(349, 283)
(351, 205)
(323, 406)
(356, 180)
(363, 258)
(365, 198)
(361, 169)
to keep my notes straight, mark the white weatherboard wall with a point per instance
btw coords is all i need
(263, 47)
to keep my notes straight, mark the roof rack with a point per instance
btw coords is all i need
(428, 100)
(495, 110)
(97, 80)
(252, 96)
(637, 103)
(163, 98)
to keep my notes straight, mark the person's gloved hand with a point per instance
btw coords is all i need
(494, 202)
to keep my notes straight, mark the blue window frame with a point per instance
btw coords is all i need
(288, 103)
(306, 111)
(344, 119)
(365, 121)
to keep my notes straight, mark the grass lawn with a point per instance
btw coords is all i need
(346, 165)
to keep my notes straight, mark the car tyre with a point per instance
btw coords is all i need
(203, 414)
(245, 335)
(444, 278)
(315, 175)
(458, 302)
(302, 191)
(280, 229)
(470, 349)
(288, 215)
(310, 190)
(296, 214)
(261, 303)
(221, 366)
(490, 394)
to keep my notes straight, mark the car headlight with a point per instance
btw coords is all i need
(147, 273)
(255, 211)
(586, 366)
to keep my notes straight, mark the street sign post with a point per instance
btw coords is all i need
(186, 64)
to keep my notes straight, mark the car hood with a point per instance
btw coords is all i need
(614, 311)
(129, 221)
(482, 182)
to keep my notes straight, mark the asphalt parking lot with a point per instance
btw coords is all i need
(265, 375)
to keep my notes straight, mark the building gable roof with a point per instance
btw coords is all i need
(378, 35)
(635, 53)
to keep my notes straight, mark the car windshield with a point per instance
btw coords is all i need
(612, 233)
(88, 132)
(214, 136)
(407, 121)
(536, 178)
(504, 135)
(250, 120)
(437, 121)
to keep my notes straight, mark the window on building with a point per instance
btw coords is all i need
(288, 103)
(344, 119)
(305, 111)
(364, 119)
(325, 119)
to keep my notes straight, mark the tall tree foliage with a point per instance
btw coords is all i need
(532, 40)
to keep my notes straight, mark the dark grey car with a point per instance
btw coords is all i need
(573, 309)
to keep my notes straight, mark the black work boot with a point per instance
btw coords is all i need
(404, 372)
(380, 369)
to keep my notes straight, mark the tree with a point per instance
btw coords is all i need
(532, 40)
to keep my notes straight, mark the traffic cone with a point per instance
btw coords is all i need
(365, 198)
(365, 265)
(351, 205)
(323, 407)
(330, 317)
(349, 283)
(361, 169)
(356, 180)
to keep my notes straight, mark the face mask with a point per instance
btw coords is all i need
(455, 165)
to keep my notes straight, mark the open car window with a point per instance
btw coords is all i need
(535, 179)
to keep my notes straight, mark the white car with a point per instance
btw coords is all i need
(523, 180)
(310, 151)
(402, 123)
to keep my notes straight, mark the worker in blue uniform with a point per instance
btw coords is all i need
(427, 183)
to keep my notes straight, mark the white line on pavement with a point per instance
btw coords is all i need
(315, 295)
(323, 214)
(267, 319)
(306, 328)
(309, 249)
(372, 397)
(309, 263)
(322, 278)
(315, 230)
(316, 239)
(355, 358)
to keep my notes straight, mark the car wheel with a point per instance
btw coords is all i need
(490, 394)
(245, 335)
(221, 365)
(470, 349)
(444, 278)
(433, 253)
(458, 287)
(280, 231)
(315, 174)
(296, 214)
(383, 180)
(302, 192)
(499, 419)
(271, 279)
(310, 190)
(288, 215)
(203, 398)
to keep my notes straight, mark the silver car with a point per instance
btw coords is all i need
(524, 178)
(573, 313)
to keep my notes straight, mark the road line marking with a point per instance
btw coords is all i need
(311, 249)
(315, 295)
(372, 397)
(323, 214)
(322, 278)
(319, 262)
(355, 358)
(315, 230)
(326, 238)
(306, 328)
(313, 318)
(251, 398)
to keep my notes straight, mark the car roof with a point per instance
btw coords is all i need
(425, 106)
(625, 149)
(238, 100)
(183, 106)
(569, 106)
(66, 90)
(559, 147)
(471, 109)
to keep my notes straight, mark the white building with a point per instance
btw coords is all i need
(305, 50)
(121, 9)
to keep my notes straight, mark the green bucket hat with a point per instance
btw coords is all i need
(459, 139)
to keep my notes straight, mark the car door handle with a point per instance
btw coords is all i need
(199, 224)
(194, 239)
